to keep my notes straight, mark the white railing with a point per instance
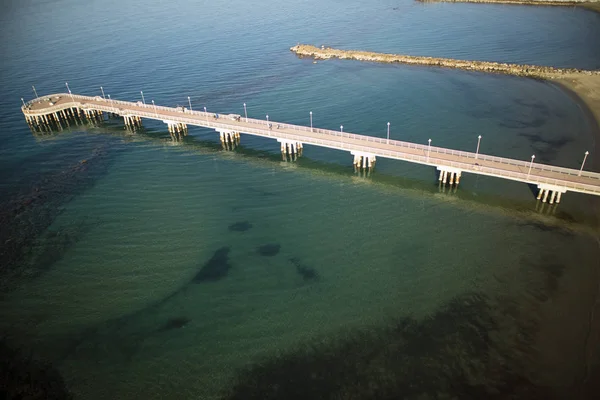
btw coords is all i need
(207, 119)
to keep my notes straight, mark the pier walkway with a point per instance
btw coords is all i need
(552, 181)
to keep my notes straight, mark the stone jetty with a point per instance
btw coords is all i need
(593, 5)
(534, 71)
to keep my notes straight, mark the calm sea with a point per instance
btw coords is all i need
(139, 266)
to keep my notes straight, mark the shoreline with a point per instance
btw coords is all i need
(589, 5)
(583, 87)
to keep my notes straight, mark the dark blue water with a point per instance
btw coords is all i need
(142, 266)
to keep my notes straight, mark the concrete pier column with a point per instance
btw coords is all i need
(444, 177)
(552, 197)
(545, 196)
(451, 180)
(441, 176)
(558, 197)
(540, 193)
(364, 162)
(458, 178)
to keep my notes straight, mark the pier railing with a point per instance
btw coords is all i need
(261, 128)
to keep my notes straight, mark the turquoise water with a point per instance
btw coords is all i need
(161, 268)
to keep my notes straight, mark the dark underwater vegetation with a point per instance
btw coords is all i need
(174, 323)
(452, 354)
(241, 226)
(307, 273)
(216, 268)
(22, 376)
(27, 249)
(269, 250)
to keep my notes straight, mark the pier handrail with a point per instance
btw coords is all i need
(261, 128)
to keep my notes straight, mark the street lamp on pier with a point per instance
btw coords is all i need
(190, 103)
(583, 163)
(530, 165)
(206, 114)
(245, 112)
(23, 102)
(155, 112)
(311, 128)
(67, 83)
(35, 91)
(428, 148)
(102, 90)
(342, 128)
(478, 141)
(143, 100)
(388, 133)
(112, 104)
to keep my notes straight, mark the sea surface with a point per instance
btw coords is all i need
(137, 265)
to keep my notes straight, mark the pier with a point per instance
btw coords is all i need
(551, 181)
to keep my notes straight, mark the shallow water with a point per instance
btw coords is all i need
(163, 268)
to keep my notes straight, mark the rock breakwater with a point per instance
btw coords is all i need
(534, 71)
(593, 5)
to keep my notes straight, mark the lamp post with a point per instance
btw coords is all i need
(428, 148)
(35, 91)
(143, 100)
(112, 104)
(102, 90)
(67, 83)
(190, 102)
(267, 120)
(206, 114)
(245, 112)
(582, 164)
(342, 128)
(23, 102)
(388, 134)
(530, 165)
(311, 128)
(477, 151)
(155, 112)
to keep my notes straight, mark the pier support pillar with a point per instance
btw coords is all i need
(290, 148)
(540, 193)
(363, 160)
(449, 175)
(552, 197)
(545, 189)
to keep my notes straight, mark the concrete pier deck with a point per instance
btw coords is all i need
(546, 177)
